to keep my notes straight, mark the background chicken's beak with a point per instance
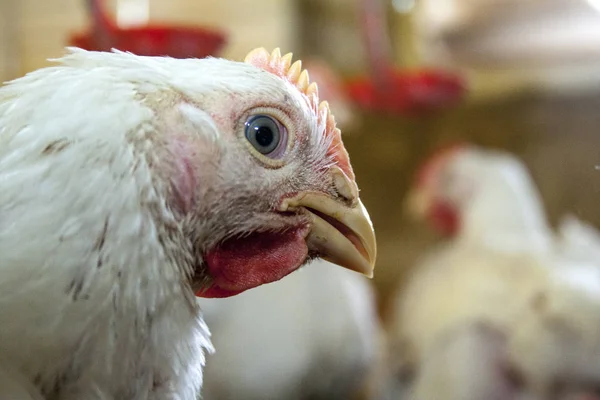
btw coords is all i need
(340, 234)
(416, 204)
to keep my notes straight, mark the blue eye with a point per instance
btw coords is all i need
(267, 135)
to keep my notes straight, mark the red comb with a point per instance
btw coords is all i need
(282, 67)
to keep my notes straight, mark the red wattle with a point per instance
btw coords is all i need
(240, 264)
(444, 218)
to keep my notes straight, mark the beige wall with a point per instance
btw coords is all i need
(250, 23)
(332, 30)
(43, 26)
(9, 40)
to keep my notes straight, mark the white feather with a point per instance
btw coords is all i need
(313, 333)
(506, 269)
(78, 167)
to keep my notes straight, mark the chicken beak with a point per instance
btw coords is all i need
(417, 204)
(340, 233)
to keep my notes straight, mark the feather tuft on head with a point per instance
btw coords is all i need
(293, 73)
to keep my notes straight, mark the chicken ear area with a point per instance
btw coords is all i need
(239, 264)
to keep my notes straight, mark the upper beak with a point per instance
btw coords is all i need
(340, 233)
(416, 204)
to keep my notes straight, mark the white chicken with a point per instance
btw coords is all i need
(470, 291)
(310, 336)
(555, 344)
(129, 184)
(578, 239)
(476, 318)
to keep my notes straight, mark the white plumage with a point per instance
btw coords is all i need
(118, 175)
(556, 340)
(311, 336)
(469, 319)
(65, 315)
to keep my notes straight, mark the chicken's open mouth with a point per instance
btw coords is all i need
(343, 229)
(339, 233)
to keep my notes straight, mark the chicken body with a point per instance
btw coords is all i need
(92, 301)
(556, 340)
(127, 186)
(507, 309)
(310, 336)
(463, 300)
(468, 361)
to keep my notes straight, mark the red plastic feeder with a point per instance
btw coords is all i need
(149, 40)
(390, 90)
(413, 93)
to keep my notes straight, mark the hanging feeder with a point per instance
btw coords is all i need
(147, 40)
(395, 91)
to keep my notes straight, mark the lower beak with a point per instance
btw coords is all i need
(340, 234)
(416, 204)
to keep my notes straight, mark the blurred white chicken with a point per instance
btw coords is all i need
(555, 344)
(311, 336)
(455, 318)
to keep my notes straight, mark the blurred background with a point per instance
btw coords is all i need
(405, 77)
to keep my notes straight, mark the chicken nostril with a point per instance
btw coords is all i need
(344, 186)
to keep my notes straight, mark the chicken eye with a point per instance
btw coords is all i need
(267, 135)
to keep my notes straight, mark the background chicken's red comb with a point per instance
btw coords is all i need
(282, 66)
(432, 164)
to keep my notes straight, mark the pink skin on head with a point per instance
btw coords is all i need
(242, 263)
(185, 179)
(442, 215)
(237, 264)
(337, 152)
